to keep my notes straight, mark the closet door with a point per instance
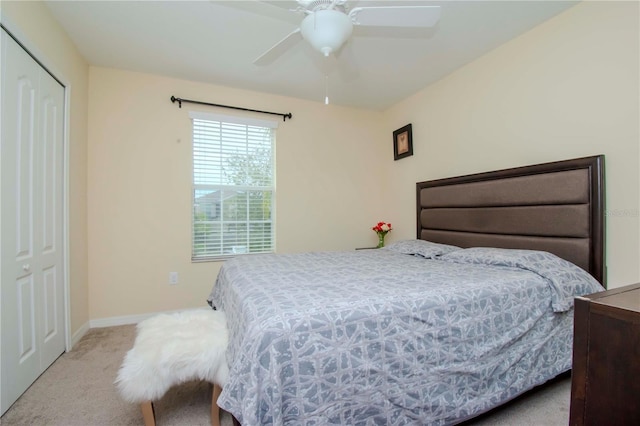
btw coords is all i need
(31, 256)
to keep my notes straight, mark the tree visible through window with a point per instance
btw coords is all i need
(233, 186)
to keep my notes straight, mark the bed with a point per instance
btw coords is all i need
(475, 311)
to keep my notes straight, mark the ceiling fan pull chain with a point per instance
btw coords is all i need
(326, 90)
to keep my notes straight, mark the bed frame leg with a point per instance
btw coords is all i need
(148, 413)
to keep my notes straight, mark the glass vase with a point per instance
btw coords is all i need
(380, 240)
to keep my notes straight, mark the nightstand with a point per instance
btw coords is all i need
(605, 379)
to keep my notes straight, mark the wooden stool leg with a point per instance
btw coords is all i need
(148, 413)
(215, 410)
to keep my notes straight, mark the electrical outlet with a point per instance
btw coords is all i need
(173, 278)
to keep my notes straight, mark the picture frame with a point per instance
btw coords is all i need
(402, 142)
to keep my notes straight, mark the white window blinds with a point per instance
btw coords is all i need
(233, 186)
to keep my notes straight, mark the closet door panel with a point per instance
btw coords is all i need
(20, 314)
(49, 225)
(32, 227)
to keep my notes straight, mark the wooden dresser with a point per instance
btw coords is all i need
(605, 384)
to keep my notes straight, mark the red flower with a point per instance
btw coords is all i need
(382, 228)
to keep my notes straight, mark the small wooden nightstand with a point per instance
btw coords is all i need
(605, 379)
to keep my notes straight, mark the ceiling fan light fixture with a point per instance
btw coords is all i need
(326, 30)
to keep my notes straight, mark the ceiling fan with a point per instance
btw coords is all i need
(328, 24)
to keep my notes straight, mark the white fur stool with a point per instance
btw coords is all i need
(171, 349)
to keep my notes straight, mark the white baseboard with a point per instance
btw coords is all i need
(75, 338)
(124, 320)
(128, 319)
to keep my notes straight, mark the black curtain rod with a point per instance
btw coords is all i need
(180, 101)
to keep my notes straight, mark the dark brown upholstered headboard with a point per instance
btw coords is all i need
(556, 207)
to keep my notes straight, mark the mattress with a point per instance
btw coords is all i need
(392, 336)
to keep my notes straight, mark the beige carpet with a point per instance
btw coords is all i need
(78, 390)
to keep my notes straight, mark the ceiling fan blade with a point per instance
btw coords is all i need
(396, 16)
(279, 48)
(271, 9)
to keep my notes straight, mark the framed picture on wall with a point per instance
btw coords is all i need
(402, 142)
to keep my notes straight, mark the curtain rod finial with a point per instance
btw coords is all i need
(174, 99)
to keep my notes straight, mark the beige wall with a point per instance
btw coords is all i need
(32, 23)
(328, 190)
(568, 88)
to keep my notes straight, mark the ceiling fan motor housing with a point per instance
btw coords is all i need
(326, 30)
(313, 5)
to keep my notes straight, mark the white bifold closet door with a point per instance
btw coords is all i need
(31, 216)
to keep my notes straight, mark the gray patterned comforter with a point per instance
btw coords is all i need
(381, 337)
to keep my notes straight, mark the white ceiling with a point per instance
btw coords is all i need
(217, 42)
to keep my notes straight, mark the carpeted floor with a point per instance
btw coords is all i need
(78, 390)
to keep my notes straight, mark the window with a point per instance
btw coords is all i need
(233, 186)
